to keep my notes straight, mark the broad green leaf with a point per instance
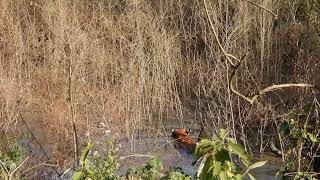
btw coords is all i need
(257, 164)
(79, 175)
(204, 147)
(223, 176)
(251, 176)
(217, 168)
(85, 154)
(238, 150)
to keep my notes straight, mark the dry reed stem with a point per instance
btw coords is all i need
(236, 67)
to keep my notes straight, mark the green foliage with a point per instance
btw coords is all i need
(152, 170)
(217, 162)
(175, 176)
(303, 175)
(298, 135)
(99, 166)
(10, 161)
(149, 172)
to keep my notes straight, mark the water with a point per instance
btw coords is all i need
(181, 160)
(137, 151)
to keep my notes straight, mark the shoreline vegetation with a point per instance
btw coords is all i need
(89, 71)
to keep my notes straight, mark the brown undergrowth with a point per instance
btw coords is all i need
(135, 63)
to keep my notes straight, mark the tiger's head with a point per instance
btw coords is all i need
(180, 132)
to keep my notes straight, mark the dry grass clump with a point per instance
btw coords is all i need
(131, 61)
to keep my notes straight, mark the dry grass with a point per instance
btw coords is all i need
(136, 60)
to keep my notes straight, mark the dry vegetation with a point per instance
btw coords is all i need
(132, 63)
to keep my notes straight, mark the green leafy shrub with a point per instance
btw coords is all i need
(99, 166)
(176, 176)
(149, 171)
(152, 170)
(298, 133)
(10, 161)
(217, 160)
(217, 163)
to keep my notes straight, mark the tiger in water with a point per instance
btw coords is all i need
(184, 141)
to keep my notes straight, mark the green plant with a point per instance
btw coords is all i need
(217, 161)
(149, 171)
(152, 170)
(176, 176)
(99, 166)
(11, 162)
(300, 143)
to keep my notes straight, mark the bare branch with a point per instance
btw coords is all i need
(263, 91)
(237, 66)
(216, 35)
(262, 7)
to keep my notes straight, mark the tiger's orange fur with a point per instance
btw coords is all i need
(183, 141)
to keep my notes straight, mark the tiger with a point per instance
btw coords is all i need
(176, 133)
(183, 140)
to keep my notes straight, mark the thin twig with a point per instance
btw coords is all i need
(262, 7)
(168, 142)
(36, 166)
(3, 167)
(36, 139)
(135, 155)
(33, 136)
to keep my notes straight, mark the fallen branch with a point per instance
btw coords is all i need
(251, 100)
